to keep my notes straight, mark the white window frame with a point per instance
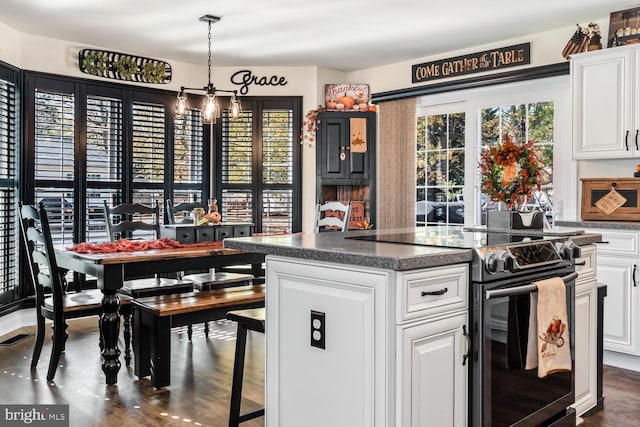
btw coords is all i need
(471, 102)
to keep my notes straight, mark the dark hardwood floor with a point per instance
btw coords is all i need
(198, 395)
(200, 382)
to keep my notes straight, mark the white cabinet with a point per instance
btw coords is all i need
(394, 346)
(586, 304)
(432, 347)
(606, 117)
(432, 387)
(617, 267)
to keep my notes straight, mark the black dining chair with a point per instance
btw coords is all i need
(181, 213)
(53, 302)
(125, 221)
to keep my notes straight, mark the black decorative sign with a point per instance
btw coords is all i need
(488, 60)
(121, 66)
(244, 78)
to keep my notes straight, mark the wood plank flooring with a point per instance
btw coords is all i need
(200, 382)
(198, 395)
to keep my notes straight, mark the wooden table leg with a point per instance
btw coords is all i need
(109, 331)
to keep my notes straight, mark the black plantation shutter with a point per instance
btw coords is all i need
(54, 160)
(104, 162)
(237, 168)
(188, 158)
(8, 203)
(148, 153)
(277, 170)
(259, 158)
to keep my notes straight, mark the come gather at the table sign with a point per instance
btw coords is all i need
(488, 60)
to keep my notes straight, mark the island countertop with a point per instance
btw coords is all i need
(333, 247)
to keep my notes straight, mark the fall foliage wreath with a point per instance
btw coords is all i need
(510, 172)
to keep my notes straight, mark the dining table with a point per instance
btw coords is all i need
(112, 269)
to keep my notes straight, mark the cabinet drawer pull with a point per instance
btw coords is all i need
(602, 242)
(637, 130)
(581, 263)
(440, 292)
(626, 140)
(465, 356)
(633, 275)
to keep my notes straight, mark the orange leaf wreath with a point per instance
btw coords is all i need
(510, 172)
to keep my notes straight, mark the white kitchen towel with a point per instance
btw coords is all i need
(532, 338)
(554, 348)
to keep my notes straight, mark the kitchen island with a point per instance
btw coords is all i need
(362, 333)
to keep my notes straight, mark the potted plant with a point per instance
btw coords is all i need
(510, 172)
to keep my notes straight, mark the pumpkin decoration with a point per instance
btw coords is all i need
(215, 217)
(347, 101)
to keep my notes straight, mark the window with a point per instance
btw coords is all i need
(93, 142)
(440, 168)
(8, 202)
(259, 158)
(452, 131)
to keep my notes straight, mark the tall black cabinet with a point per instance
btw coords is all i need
(341, 172)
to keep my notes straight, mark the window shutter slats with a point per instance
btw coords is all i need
(8, 146)
(148, 142)
(54, 135)
(237, 149)
(188, 149)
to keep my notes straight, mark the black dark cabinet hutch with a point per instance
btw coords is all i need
(340, 173)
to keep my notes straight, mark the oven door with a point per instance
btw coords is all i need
(506, 393)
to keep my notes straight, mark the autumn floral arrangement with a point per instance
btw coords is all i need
(510, 172)
(310, 126)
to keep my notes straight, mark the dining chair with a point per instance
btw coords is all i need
(181, 213)
(127, 219)
(53, 301)
(326, 219)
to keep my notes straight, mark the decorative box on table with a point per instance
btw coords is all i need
(190, 233)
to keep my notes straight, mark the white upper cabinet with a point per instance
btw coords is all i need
(604, 86)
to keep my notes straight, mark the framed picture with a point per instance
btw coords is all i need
(624, 27)
(346, 97)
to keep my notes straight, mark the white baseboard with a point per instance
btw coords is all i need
(621, 360)
(17, 320)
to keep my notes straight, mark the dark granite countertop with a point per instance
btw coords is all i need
(333, 247)
(614, 225)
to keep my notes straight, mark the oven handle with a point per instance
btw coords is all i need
(532, 287)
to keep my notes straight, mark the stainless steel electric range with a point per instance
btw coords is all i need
(503, 273)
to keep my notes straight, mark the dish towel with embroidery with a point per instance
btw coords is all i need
(549, 346)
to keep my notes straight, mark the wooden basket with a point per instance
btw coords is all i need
(594, 189)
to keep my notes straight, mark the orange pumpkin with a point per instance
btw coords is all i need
(347, 101)
(215, 217)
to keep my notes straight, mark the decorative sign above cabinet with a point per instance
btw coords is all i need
(121, 66)
(488, 60)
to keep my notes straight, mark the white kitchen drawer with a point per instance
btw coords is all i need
(619, 242)
(432, 291)
(586, 264)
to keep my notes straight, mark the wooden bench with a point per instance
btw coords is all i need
(155, 316)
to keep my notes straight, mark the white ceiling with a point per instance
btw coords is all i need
(338, 34)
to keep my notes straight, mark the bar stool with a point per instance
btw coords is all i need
(250, 319)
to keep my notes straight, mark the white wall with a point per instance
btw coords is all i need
(546, 48)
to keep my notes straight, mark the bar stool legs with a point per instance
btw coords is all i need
(252, 319)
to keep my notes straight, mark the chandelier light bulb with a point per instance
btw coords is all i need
(235, 108)
(210, 110)
(182, 105)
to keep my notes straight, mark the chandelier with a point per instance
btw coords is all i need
(210, 109)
